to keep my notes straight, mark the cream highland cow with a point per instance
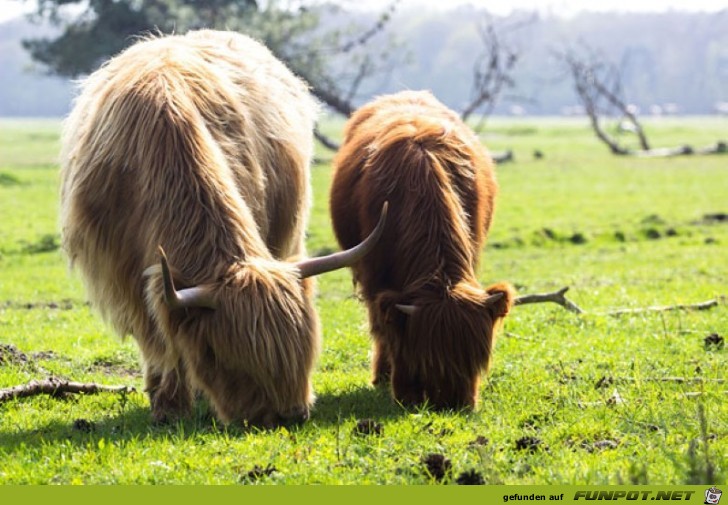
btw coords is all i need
(199, 146)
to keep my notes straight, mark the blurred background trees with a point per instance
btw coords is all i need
(669, 62)
(311, 38)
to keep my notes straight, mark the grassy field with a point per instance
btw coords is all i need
(572, 399)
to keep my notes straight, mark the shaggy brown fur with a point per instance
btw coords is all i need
(201, 144)
(410, 149)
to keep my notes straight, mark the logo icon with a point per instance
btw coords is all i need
(712, 496)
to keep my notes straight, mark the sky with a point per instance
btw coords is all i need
(13, 8)
(569, 7)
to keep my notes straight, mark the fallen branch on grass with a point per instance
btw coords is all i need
(695, 394)
(58, 388)
(555, 297)
(677, 380)
(694, 306)
(503, 157)
(510, 334)
(559, 298)
(686, 150)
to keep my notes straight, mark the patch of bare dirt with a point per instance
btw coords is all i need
(367, 427)
(437, 466)
(714, 342)
(11, 355)
(470, 478)
(530, 444)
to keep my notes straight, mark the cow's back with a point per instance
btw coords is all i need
(410, 149)
(178, 141)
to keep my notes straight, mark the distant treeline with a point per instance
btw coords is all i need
(671, 62)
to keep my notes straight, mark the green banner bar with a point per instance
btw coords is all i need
(345, 495)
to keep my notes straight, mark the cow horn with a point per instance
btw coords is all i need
(323, 264)
(493, 298)
(198, 296)
(410, 310)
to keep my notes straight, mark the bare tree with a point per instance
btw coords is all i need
(58, 388)
(598, 85)
(333, 52)
(492, 72)
(494, 67)
(357, 59)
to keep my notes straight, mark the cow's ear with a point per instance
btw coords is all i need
(499, 299)
(493, 299)
(387, 303)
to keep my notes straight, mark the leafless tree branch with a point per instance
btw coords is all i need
(598, 86)
(378, 27)
(677, 380)
(331, 89)
(502, 157)
(554, 297)
(559, 298)
(332, 98)
(720, 147)
(326, 141)
(58, 387)
(613, 97)
(693, 306)
(365, 69)
(586, 74)
(493, 70)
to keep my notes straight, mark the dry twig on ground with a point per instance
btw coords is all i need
(58, 388)
(555, 297)
(692, 306)
(558, 297)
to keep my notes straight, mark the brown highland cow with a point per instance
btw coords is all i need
(200, 144)
(432, 323)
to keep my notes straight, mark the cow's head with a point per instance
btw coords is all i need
(440, 340)
(249, 341)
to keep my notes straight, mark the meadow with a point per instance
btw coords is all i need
(594, 398)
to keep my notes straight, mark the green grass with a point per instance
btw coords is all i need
(621, 232)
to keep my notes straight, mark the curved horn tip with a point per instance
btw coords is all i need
(409, 310)
(347, 258)
(383, 215)
(170, 293)
(198, 296)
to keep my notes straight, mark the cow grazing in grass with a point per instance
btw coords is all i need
(200, 144)
(432, 323)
